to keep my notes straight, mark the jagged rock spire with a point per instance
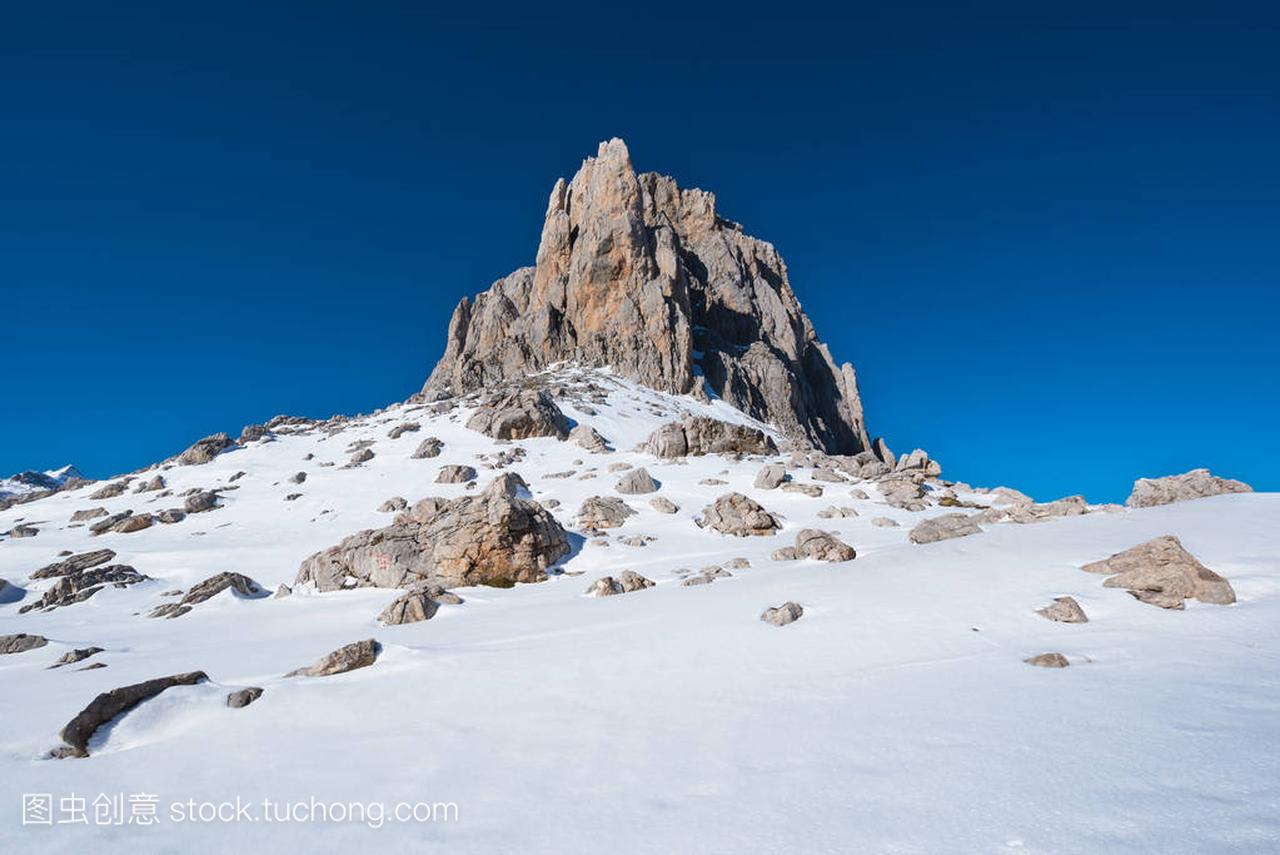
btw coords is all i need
(635, 273)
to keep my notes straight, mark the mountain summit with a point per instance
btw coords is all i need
(637, 274)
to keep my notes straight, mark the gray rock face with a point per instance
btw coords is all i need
(1048, 660)
(813, 491)
(1196, 484)
(102, 709)
(20, 643)
(737, 515)
(823, 546)
(701, 435)
(107, 523)
(1064, 610)
(771, 477)
(205, 450)
(253, 433)
(635, 273)
(603, 512)
(429, 447)
(364, 455)
(171, 516)
(782, 615)
(944, 527)
(636, 482)
(243, 697)
(519, 414)
(455, 474)
(359, 654)
(493, 538)
(1163, 573)
(837, 513)
(588, 438)
(156, 483)
(627, 581)
(297, 477)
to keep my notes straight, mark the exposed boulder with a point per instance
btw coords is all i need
(603, 512)
(401, 429)
(429, 447)
(491, 538)
(171, 516)
(823, 546)
(737, 515)
(156, 483)
(782, 615)
(364, 455)
(1064, 610)
(834, 512)
(590, 439)
(813, 491)
(627, 581)
(1196, 484)
(73, 656)
(88, 514)
(199, 502)
(701, 435)
(253, 433)
(1048, 660)
(297, 477)
(110, 491)
(1163, 573)
(238, 583)
(205, 450)
(771, 477)
(455, 474)
(636, 482)
(663, 505)
(20, 643)
(884, 522)
(421, 602)
(349, 657)
(944, 527)
(81, 561)
(785, 553)
(132, 523)
(102, 709)
(107, 523)
(80, 585)
(519, 414)
(244, 697)
(395, 503)
(20, 531)
(637, 274)
(919, 461)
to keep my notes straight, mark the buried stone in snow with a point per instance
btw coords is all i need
(944, 527)
(1048, 660)
(590, 439)
(20, 643)
(244, 697)
(1163, 573)
(349, 657)
(627, 581)
(240, 584)
(823, 546)
(771, 477)
(782, 615)
(1064, 610)
(106, 706)
(417, 604)
(455, 474)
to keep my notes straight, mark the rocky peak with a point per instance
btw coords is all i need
(635, 273)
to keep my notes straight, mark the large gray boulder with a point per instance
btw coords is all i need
(635, 273)
(429, 447)
(1163, 573)
(494, 538)
(603, 512)
(782, 615)
(455, 474)
(519, 414)
(80, 561)
(588, 438)
(349, 657)
(771, 477)
(1196, 484)
(944, 527)
(823, 546)
(201, 501)
(240, 584)
(738, 515)
(419, 603)
(204, 450)
(636, 482)
(701, 435)
(20, 643)
(79, 585)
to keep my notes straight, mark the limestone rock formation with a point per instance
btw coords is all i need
(603, 512)
(700, 435)
(771, 477)
(738, 515)
(349, 657)
(239, 583)
(635, 273)
(243, 697)
(823, 546)
(636, 482)
(495, 537)
(1196, 484)
(944, 527)
(1163, 573)
(519, 414)
(205, 449)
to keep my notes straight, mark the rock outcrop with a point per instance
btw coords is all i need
(700, 435)
(108, 705)
(492, 538)
(634, 273)
(636, 482)
(627, 581)
(239, 583)
(738, 515)
(349, 657)
(20, 643)
(1163, 573)
(1064, 610)
(603, 512)
(823, 546)
(519, 414)
(944, 527)
(1196, 484)
(204, 450)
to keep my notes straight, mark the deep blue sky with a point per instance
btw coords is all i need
(1047, 235)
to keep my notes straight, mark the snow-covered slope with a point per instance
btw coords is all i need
(24, 483)
(896, 715)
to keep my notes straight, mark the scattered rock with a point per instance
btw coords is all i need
(132, 523)
(519, 414)
(82, 561)
(253, 433)
(636, 482)
(700, 435)
(627, 581)
(102, 709)
(884, 522)
(587, 437)
(455, 474)
(782, 615)
(737, 564)
(297, 477)
(1048, 660)
(603, 512)
(944, 527)
(828, 476)
(823, 546)
(737, 515)
(1163, 573)
(401, 429)
(172, 515)
(19, 531)
(1064, 610)
(834, 512)
(205, 450)
(813, 491)
(79, 585)
(204, 500)
(771, 476)
(110, 491)
(417, 604)
(88, 514)
(20, 643)
(663, 505)
(156, 483)
(364, 455)
(429, 447)
(244, 697)
(73, 656)
(359, 654)
(785, 553)
(858, 493)
(395, 503)
(1196, 484)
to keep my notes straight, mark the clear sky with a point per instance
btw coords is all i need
(1047, 235)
